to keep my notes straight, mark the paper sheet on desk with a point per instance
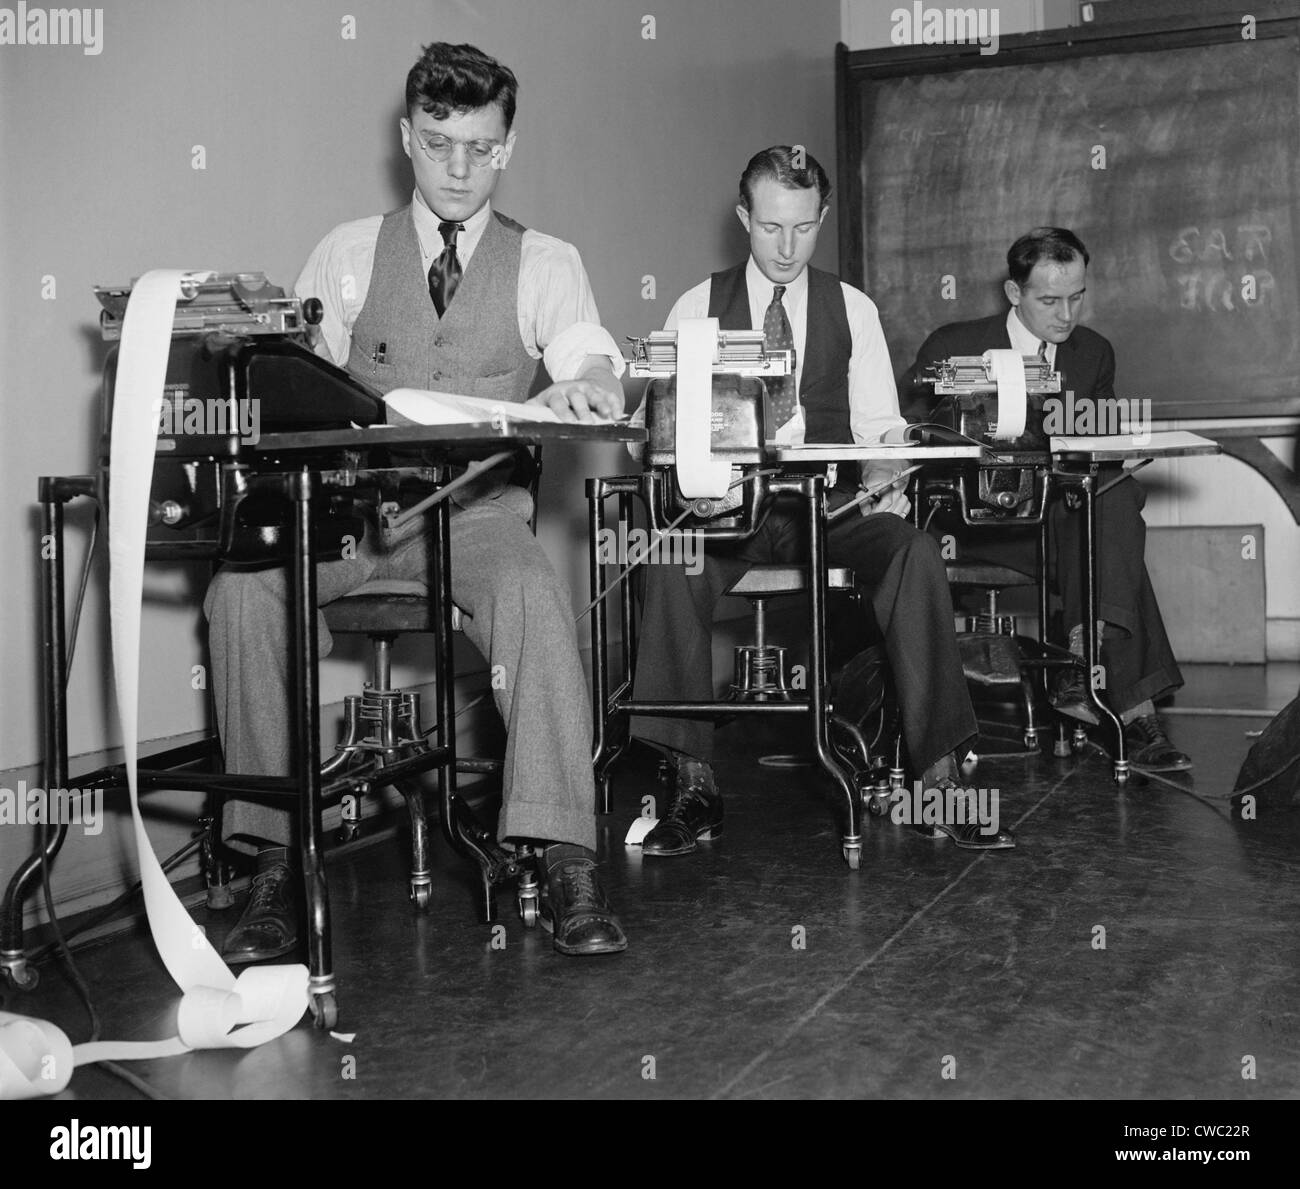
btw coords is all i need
(450, 408)
(35, 1056)
(1172, 439)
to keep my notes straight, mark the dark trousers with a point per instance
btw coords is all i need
(1138, 660)
(899, 568)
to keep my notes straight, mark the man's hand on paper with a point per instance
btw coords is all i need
(595, 395)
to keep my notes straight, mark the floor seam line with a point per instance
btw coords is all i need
(871, 958)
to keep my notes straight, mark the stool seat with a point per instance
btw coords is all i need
(982, 573)
(384, 605)
(770, 581)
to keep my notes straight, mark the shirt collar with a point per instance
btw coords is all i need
(426, 227)
(1024, 340)
(759, 285)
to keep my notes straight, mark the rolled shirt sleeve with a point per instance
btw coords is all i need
(558, 319)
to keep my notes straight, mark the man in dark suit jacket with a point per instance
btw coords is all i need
(1047, 279)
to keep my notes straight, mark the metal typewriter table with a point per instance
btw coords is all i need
(612, 707)
(272, 467)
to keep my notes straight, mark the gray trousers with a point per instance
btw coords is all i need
(517, 613)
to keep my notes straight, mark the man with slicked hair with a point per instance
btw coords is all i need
(445, 293)
(842, 391)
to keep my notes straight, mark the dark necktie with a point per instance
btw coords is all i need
(1042, 350)
(777, 336)
(445, 272)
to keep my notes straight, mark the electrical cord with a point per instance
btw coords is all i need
(625, 571)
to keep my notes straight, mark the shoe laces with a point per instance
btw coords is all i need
(267, 885)
(580, 884)
(690, 785)
(1148, 725)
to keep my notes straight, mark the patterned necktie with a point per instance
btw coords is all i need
(445, 272)
(1042, 350)
(777, 336)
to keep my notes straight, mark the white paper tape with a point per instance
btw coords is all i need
(268, 1000)
(1009, 372)
(698, 475)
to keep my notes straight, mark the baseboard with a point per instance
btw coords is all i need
(1283, 636)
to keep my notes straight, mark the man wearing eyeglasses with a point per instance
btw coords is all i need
(445, 294)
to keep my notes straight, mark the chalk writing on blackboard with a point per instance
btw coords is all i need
(1223, 267)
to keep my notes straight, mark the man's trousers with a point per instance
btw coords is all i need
(899, 569)
(517, 613)
(1136, 655)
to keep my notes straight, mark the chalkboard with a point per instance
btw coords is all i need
(1173, 153)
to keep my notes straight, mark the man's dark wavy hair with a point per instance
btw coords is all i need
(459, 78)
(1056, 244)
(778, 164)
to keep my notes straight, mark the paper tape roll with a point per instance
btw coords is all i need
(268, 1000)
(35, 1057)
(1009, 372)
(698, 475)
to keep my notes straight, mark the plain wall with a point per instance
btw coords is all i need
(628, 147)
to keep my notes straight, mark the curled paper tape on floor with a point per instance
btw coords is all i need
(1009, 372)
(697, 474)
(217, 1010)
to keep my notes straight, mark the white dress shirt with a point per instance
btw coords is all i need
(558, 320)
(1025, 340)
(873, 394)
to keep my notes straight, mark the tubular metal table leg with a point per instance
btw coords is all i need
(851, 844)
(1092, 646)
(306, 747)
(54, 741)
(599, 644)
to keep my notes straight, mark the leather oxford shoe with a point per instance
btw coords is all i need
(694, 813)
(574, 907)
(1070, 697)
(966, 835)
(269, 926)
(1150, 749)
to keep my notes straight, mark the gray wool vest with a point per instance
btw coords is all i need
(398, 340)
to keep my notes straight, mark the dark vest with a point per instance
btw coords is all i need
(474, 349)
(824, 393)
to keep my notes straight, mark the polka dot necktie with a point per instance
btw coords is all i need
(777, 336)
(445, 272)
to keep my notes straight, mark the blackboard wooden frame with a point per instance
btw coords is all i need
(856, 72)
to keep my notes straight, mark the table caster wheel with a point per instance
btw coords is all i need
(1121, 774)
(420, 895)
(1030, 739)
(1061, 749)
(852, 856)
(877, 805)
(26, 979)
(348, 832)
(325, 1010)
(528, 911)
(1079, 740)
